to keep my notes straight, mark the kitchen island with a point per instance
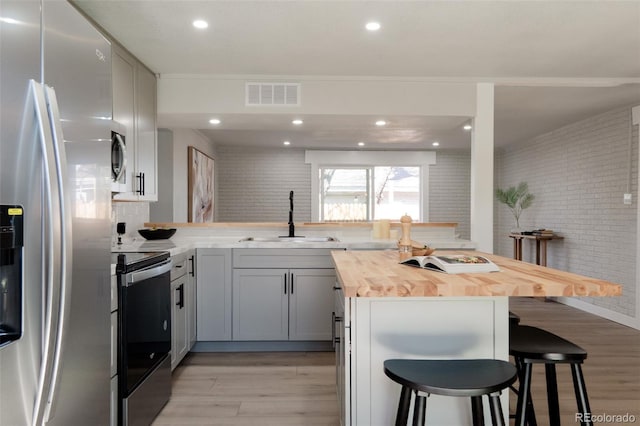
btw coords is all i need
(388, 310)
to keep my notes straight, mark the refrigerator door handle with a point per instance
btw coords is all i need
(65, 245)
(52, 255)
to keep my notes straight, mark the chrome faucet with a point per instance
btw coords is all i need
(292, 228)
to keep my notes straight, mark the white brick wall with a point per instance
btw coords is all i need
(254, 184)
(450, 189)
(261, 179)
(579, 174)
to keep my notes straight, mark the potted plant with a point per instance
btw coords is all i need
(517, 199)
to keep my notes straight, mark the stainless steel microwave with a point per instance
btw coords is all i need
(118, 158)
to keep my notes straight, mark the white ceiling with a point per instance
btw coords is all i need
(553, 62)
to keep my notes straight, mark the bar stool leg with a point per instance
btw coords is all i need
(477, 413)
(523, 395)
(403, 407)
(419, 409)
(530, 411)
(581, 393)
(494, 421)
(496, 409)
(552, 394)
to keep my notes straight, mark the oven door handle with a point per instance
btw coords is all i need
(135, 277)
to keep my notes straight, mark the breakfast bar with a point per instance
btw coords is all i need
(389, 310)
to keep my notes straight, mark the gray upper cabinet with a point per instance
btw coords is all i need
(134, 107)
(123, 73)
(147, 141)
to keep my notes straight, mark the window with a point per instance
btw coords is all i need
(369, 193)
(369, 185)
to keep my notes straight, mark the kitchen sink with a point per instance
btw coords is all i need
(289, 239)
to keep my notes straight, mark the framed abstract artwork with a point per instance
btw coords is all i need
(201, 188)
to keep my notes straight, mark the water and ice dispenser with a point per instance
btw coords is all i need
(11, 242)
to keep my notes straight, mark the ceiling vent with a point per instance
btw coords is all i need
(273, 94)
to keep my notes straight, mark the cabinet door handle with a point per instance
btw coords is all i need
(140, 179)
(143, 184)
(292, 283)
(285, 283)
(333, 330)
(193, 266)
(180, 291)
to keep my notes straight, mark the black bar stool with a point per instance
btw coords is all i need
(514, 319)
(459, 377)
(532, 345)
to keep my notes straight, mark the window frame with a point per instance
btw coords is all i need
(365, 159)
(369, 177)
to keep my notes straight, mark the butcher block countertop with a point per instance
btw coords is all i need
(379, 274)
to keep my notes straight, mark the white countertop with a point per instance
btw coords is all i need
(176, 246)
(179, 245)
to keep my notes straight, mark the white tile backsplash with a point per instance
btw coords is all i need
(134, 214)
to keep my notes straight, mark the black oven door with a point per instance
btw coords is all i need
(145, 323)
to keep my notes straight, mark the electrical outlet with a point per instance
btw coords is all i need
(627, 199)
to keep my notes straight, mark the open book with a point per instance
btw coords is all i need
(453, 264)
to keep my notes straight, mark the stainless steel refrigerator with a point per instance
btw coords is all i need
(55, 115)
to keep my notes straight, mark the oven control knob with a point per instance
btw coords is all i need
(164, 325)
(152, 355)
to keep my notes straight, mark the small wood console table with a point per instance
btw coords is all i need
(541, 246)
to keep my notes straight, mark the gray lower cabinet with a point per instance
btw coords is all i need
(192, 298)
(179, 332)
(282, 294)
(213, 288)
(260, 304)
(282, 304)
(311, 304)
(183, 306)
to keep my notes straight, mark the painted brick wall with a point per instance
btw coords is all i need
(579, 174)
(254, 184)
(450, 189)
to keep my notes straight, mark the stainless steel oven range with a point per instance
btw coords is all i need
(144, 335)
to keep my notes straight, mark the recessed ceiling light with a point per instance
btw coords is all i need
(436, 143)
(373, 26)
(214, 121)
(200, 24)
(381, 123)
(286, 143)
(467, 127)
(297, 122)
(360, 143)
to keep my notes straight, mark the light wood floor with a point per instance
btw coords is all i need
(241, 389)
(285, 388)
(612, 368)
